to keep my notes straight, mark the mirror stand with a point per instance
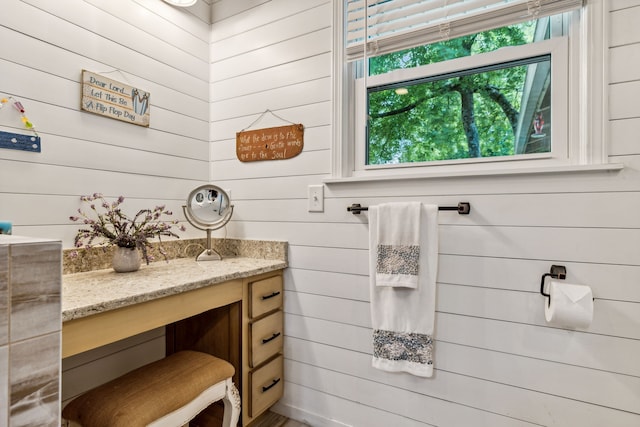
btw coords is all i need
(208, 254)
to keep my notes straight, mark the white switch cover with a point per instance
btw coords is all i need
(316, 198)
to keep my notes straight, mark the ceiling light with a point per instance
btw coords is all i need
(181, 3)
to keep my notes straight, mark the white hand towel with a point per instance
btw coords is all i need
(398, 249)
(403, 318)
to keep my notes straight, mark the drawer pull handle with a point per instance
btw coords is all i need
(271, 338)
(266, 388)
(274, 294)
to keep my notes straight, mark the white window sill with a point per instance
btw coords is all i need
(475, 173)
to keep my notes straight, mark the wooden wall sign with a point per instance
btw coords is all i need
(106, 97)
(17, 141)
(278, 143)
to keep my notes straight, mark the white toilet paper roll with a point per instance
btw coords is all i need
(570, 305)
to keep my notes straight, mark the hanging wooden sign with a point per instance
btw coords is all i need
(106, 97)
(277, 143)
(17, 141)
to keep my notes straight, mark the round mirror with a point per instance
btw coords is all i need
(208, 208)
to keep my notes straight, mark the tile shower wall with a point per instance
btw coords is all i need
(30, 328)
(4, 333)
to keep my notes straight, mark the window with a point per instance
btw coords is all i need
(507, 92)
(500, 107)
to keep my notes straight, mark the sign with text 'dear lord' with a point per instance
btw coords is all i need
(277, 143)
(107, 97)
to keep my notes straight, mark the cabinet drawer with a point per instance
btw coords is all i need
(266, 295)
(266, 338)
(266, 386)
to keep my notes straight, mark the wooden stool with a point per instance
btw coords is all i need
(166, 393)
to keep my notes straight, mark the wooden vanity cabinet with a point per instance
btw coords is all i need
(250, 336)
(265, 341)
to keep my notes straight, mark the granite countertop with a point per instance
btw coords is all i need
(93, 292)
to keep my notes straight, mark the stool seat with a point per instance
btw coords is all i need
(168, 392)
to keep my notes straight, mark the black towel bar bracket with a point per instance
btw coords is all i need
(463, 208)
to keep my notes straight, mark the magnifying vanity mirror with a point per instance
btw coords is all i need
(208, 208)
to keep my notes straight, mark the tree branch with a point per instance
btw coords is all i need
(443, 90)
(498, 97)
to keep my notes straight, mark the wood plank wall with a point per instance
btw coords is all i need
(143, 43)
(497, 362)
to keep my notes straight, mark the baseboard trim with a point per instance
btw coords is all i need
(306, 417)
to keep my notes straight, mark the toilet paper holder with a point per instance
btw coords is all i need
(557, 272)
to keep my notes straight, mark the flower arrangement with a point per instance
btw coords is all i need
(117, 229)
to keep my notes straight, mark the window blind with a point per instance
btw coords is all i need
(393, 25)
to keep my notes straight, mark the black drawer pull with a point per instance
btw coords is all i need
(266, 388)
(271, 338)
(274, 294)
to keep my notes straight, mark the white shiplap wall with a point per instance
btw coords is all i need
(497, 362)
(144, 43)
(44, 47)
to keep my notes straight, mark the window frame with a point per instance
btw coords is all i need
(586, 101)
(556, 47)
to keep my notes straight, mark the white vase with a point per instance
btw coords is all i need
(126, 259)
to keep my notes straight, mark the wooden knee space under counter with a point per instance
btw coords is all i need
(235, 315)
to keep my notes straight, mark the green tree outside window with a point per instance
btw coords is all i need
(468, 114)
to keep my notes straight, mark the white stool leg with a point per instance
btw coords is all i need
(231, 402)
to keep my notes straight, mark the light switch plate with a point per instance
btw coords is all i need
(316, 198)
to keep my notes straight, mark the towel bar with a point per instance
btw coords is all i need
(463, 208)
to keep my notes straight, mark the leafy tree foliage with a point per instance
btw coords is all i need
(466, 115)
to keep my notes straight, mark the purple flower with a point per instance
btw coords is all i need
(114, 227)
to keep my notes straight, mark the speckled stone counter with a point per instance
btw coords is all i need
(97, 258)
(89, 293)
